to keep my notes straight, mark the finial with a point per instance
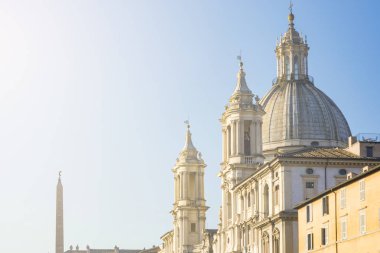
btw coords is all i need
(187, 124)
(291, 16)
(239, 58)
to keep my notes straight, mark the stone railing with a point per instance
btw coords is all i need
(248, 160)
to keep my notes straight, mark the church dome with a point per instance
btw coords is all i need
(299, 114)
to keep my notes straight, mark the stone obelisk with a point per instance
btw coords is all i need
(59, 218)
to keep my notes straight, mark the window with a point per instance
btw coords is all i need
(249, 235)
(305, 64)
(343, 198)
(296, 68)
(362, 190)
(310, 188)
(266, 200)
(249, 199)
(309, 213)
(276, 241)
(276, 195)
(314, 143)
(369, 151)
(265, 242)
(229, 205)
(343, 228)
(342, 172)
(325, 205)
(310, 243)
(287, 68)
(325, 235)
(362, 221)
(192, 227)
(309, 171)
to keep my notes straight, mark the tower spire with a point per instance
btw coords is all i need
(188, 142)
(59, 240)
(241, 85)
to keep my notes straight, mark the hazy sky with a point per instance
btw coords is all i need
(100, 90)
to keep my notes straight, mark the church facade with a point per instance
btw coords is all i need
(277, 152)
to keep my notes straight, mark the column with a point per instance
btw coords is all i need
(228, 141)
(185, 185)
(224, 142)
(233, 137)
(260, 139)
(257, 137)
(238, 137)
(253, 139)
(242, 137)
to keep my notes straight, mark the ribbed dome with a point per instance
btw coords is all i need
(298, 113)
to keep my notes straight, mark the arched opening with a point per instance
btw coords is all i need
(276, 241)
(266, 200)
(247, 138)
(287, 68)
(296, 67)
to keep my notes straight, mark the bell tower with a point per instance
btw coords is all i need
(241, 133)
(189, 211)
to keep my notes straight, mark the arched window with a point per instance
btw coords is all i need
(265, 241)
(266, 200)
(276, 241)
(296, 67)
(287, 67)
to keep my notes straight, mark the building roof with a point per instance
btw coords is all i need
(350, 181)
(104, 251)
(322, 152)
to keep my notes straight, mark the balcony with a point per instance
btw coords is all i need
(248, 160)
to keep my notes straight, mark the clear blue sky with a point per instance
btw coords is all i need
(100, 90)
